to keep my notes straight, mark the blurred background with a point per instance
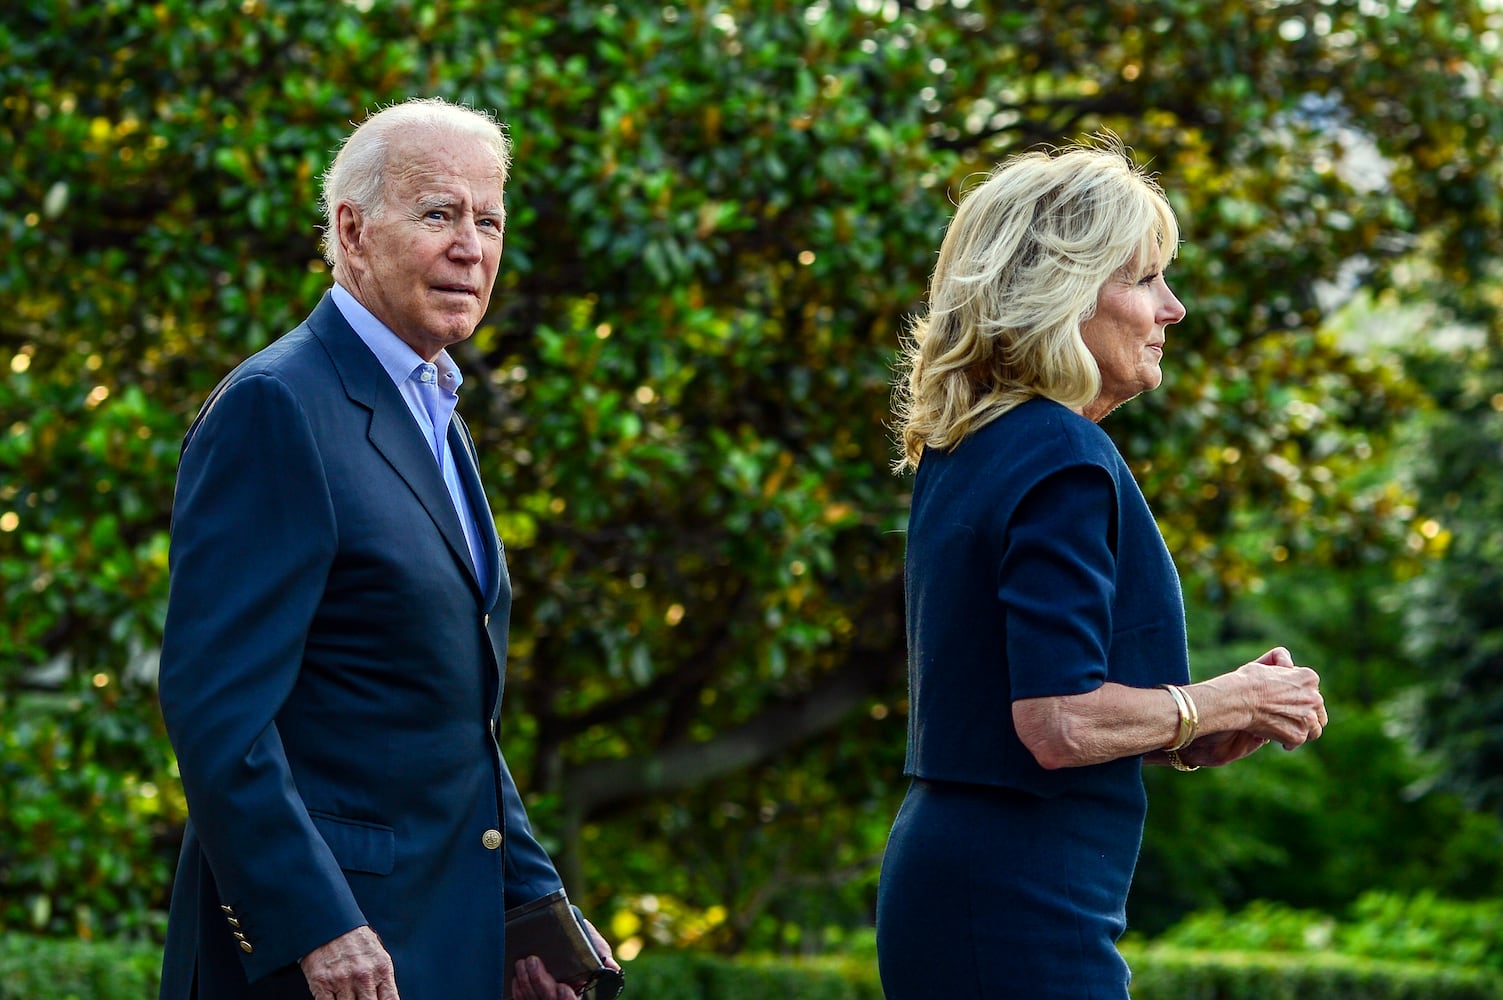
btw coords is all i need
(721, 217)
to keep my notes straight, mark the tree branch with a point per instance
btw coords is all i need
(594, 785)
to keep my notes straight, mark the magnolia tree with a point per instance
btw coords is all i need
(721, 217)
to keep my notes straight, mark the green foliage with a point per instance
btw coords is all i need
(821, 979)
(69, 783)
(43, 970)
(37, 969)
(1452, 608)
(818, 824)
(1359, 809)
(1411, 928)
(1165, 973)
(722, 214)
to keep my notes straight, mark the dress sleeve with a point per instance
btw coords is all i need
(1056, 581)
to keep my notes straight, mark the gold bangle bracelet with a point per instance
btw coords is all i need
(1178, 764)
(1188, 718)
(1194, 715)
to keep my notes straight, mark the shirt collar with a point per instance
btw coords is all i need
(394, 353)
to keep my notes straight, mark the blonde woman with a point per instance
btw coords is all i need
(1047, 653)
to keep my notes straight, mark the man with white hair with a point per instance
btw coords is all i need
(335, 643)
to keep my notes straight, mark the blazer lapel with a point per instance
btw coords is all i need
(393, 432)
(463, 447)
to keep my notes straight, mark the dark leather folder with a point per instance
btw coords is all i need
(549, 928)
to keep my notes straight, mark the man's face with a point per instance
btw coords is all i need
(425, 266)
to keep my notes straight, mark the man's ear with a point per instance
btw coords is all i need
(349, 226)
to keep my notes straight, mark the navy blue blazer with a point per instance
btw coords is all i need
(331, 680)
(1034, 568)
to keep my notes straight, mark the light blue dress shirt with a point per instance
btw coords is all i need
(431, 391)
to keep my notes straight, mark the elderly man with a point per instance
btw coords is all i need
(336, 631)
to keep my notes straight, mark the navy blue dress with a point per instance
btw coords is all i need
(1034, 568)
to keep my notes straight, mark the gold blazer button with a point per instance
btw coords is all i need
(491, 839)
(247, 947)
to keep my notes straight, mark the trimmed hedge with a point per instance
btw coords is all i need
(1166, 973)
(1422, 927)
(44, 969)
(34, 968)
(696, 976)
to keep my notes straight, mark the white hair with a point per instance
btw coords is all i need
(358, 174)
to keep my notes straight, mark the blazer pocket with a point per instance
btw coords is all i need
(358, 846)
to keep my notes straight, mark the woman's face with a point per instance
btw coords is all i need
(1126, 336)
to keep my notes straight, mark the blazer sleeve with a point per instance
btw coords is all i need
(529, 872)
(253, 537)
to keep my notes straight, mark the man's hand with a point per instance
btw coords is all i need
(602, 947)
(354, 966)
(532, 982)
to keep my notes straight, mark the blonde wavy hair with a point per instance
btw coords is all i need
(1019, 270)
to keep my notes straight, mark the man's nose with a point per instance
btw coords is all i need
(466, 244)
